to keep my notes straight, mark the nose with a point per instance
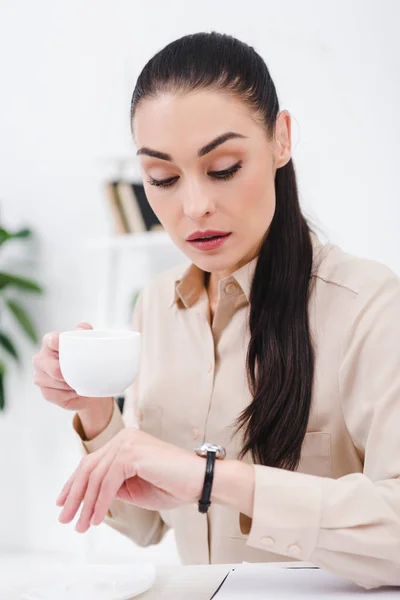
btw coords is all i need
(197, 204)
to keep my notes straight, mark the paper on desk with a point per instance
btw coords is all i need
(250, 581)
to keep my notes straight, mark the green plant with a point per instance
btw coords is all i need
(134, 298)
(13, 282)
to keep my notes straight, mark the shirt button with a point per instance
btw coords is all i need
(267, 541)
(294, 549)
(195, 433)
(230, 288)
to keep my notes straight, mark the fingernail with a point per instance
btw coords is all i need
(61, 516)
(84, 325)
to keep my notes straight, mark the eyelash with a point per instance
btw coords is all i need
(219, 175)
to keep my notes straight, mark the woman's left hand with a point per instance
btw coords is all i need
(134, 467)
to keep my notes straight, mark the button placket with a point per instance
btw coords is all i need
(209, 380)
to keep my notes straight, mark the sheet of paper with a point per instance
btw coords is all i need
(251, 581)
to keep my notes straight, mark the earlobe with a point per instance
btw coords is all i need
(283, 160)
(283, 154)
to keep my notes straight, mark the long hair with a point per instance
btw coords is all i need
(280, 356)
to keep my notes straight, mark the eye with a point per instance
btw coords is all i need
(226, 173)
(221, 175)
(162, 182)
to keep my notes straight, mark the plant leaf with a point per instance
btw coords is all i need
(8, 279)
(2, 396)
(4, 235)
(8, 345)
(8, 235)
(23, 319)
(134, 298)
(22, 233)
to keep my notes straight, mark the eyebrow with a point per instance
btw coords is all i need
(230, 135)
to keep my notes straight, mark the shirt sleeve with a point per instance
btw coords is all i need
(351, 525)
(144, 527)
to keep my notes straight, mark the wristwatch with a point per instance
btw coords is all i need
(211, 452)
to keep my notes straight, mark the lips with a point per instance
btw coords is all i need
(206, 235)
(208, 240)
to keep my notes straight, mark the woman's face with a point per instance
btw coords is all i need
(215, 198)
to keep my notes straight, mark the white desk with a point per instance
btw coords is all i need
(172, 582)
(250, 581)
(186, 583)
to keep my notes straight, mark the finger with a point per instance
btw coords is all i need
(51, 341)
(69, 495)
(78, 487)
(48, 363)
(92, 492)
(43, 380)
(61, 398)
(84, 325)
(112, 482)
(67, 487)
(65, 491)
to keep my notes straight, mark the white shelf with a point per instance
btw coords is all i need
(142, 241)
(126, 262)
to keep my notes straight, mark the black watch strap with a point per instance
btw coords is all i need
(205, 500)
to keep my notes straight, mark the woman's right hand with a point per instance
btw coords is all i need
(94, 413)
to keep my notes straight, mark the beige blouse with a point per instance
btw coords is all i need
(341, 509)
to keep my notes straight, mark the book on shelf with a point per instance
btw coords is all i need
(131, 210)
(120, 221)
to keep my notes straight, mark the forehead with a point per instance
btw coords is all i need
(188, 121)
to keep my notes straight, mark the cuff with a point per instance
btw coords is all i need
(286, 512)
(115, 425)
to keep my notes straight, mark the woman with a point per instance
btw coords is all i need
(280, 349)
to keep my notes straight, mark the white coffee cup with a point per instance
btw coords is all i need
(99, 362)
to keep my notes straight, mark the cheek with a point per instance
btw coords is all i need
(257, 200)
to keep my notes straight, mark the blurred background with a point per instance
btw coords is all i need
(67, 72)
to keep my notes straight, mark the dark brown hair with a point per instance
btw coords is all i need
(280, 359)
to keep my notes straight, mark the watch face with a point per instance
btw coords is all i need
(204, 448)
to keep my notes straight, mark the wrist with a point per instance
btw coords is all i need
(233, 485)
(95, 418)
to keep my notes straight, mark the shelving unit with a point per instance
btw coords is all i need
(126, 263)
(138, 241)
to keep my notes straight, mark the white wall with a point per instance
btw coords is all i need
(67, 70)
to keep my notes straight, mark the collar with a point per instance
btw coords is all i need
(189, 288)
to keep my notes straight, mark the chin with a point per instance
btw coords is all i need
(214, 263)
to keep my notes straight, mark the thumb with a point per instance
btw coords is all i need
(83, 325)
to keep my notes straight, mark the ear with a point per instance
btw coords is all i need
(283, 142)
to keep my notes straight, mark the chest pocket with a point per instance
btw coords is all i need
(315, 458)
